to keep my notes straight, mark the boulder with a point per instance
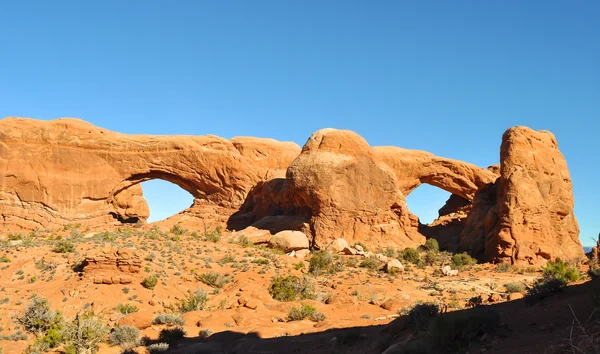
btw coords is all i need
(448, 271)
(394, 266)
(140, 320)
(338, 245)
(288, 241)
(515, 296)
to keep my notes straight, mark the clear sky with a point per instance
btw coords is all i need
(443, 76)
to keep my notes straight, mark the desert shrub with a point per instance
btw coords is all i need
(64, 246)
(301, 312)
(157, 348)
(290, 288)
(420, 313)
(150, 282)
(127, 308)
(543, 287)
(51, 339)
(38, 317)
(410, 255)
(243, 241)
(371, 263)
(4, 259)
(503, 268)
(460, 260)
(431, 245)
(389, 252)
(168, 319)
(561, 270)
(171, 334)
(125, 336)
(214, 279)
(454, 332)
(205, 333)
(214, 235)
(514, 287)
(178, 230)
(321, 262)
(474, 301)
(226, 259)
(83, 334)
(193, 301)
(318, 317)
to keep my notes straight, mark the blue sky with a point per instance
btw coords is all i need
(443, 76)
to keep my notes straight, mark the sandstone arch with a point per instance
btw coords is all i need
(67, 170)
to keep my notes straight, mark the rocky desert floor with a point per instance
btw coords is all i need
(221, 292)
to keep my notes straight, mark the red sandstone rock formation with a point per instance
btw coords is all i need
(66, 171)
(526, 216)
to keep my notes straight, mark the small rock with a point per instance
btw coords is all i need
(152, 303)
(302, 253)
(494, 298)
(367, 254)
(381, 257)
(350, 251)
(253, 304)
(359, 248)
(515, 296)
(447, 271)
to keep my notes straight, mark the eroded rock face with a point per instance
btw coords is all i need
(526, 216)
(535, 200)
(69, 171)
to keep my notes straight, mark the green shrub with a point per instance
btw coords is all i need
(214, 279)
(157, 348)
(150, 282)
(178, 230)
(544, 286)
(514, 287)
(213, 236)
(371, 263)
(420, 313)
(243, 241)
(168, 319)
(205, 333)
(64, 246)
(474, 301)
(193, 301)
(83, 334)
(322, 262)
(431, 245)
(4, 259)
(290, 288)
(171, 334)
(503, 268)
(460, 260)
(318, 317)
(389, 252)
(38, 317)
(301, 312)
(561, 270)
(125, 336)
(410, 255)
(127, 308)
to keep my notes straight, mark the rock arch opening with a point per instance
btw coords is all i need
(165, 199)
(425, 201)
(441, 214)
